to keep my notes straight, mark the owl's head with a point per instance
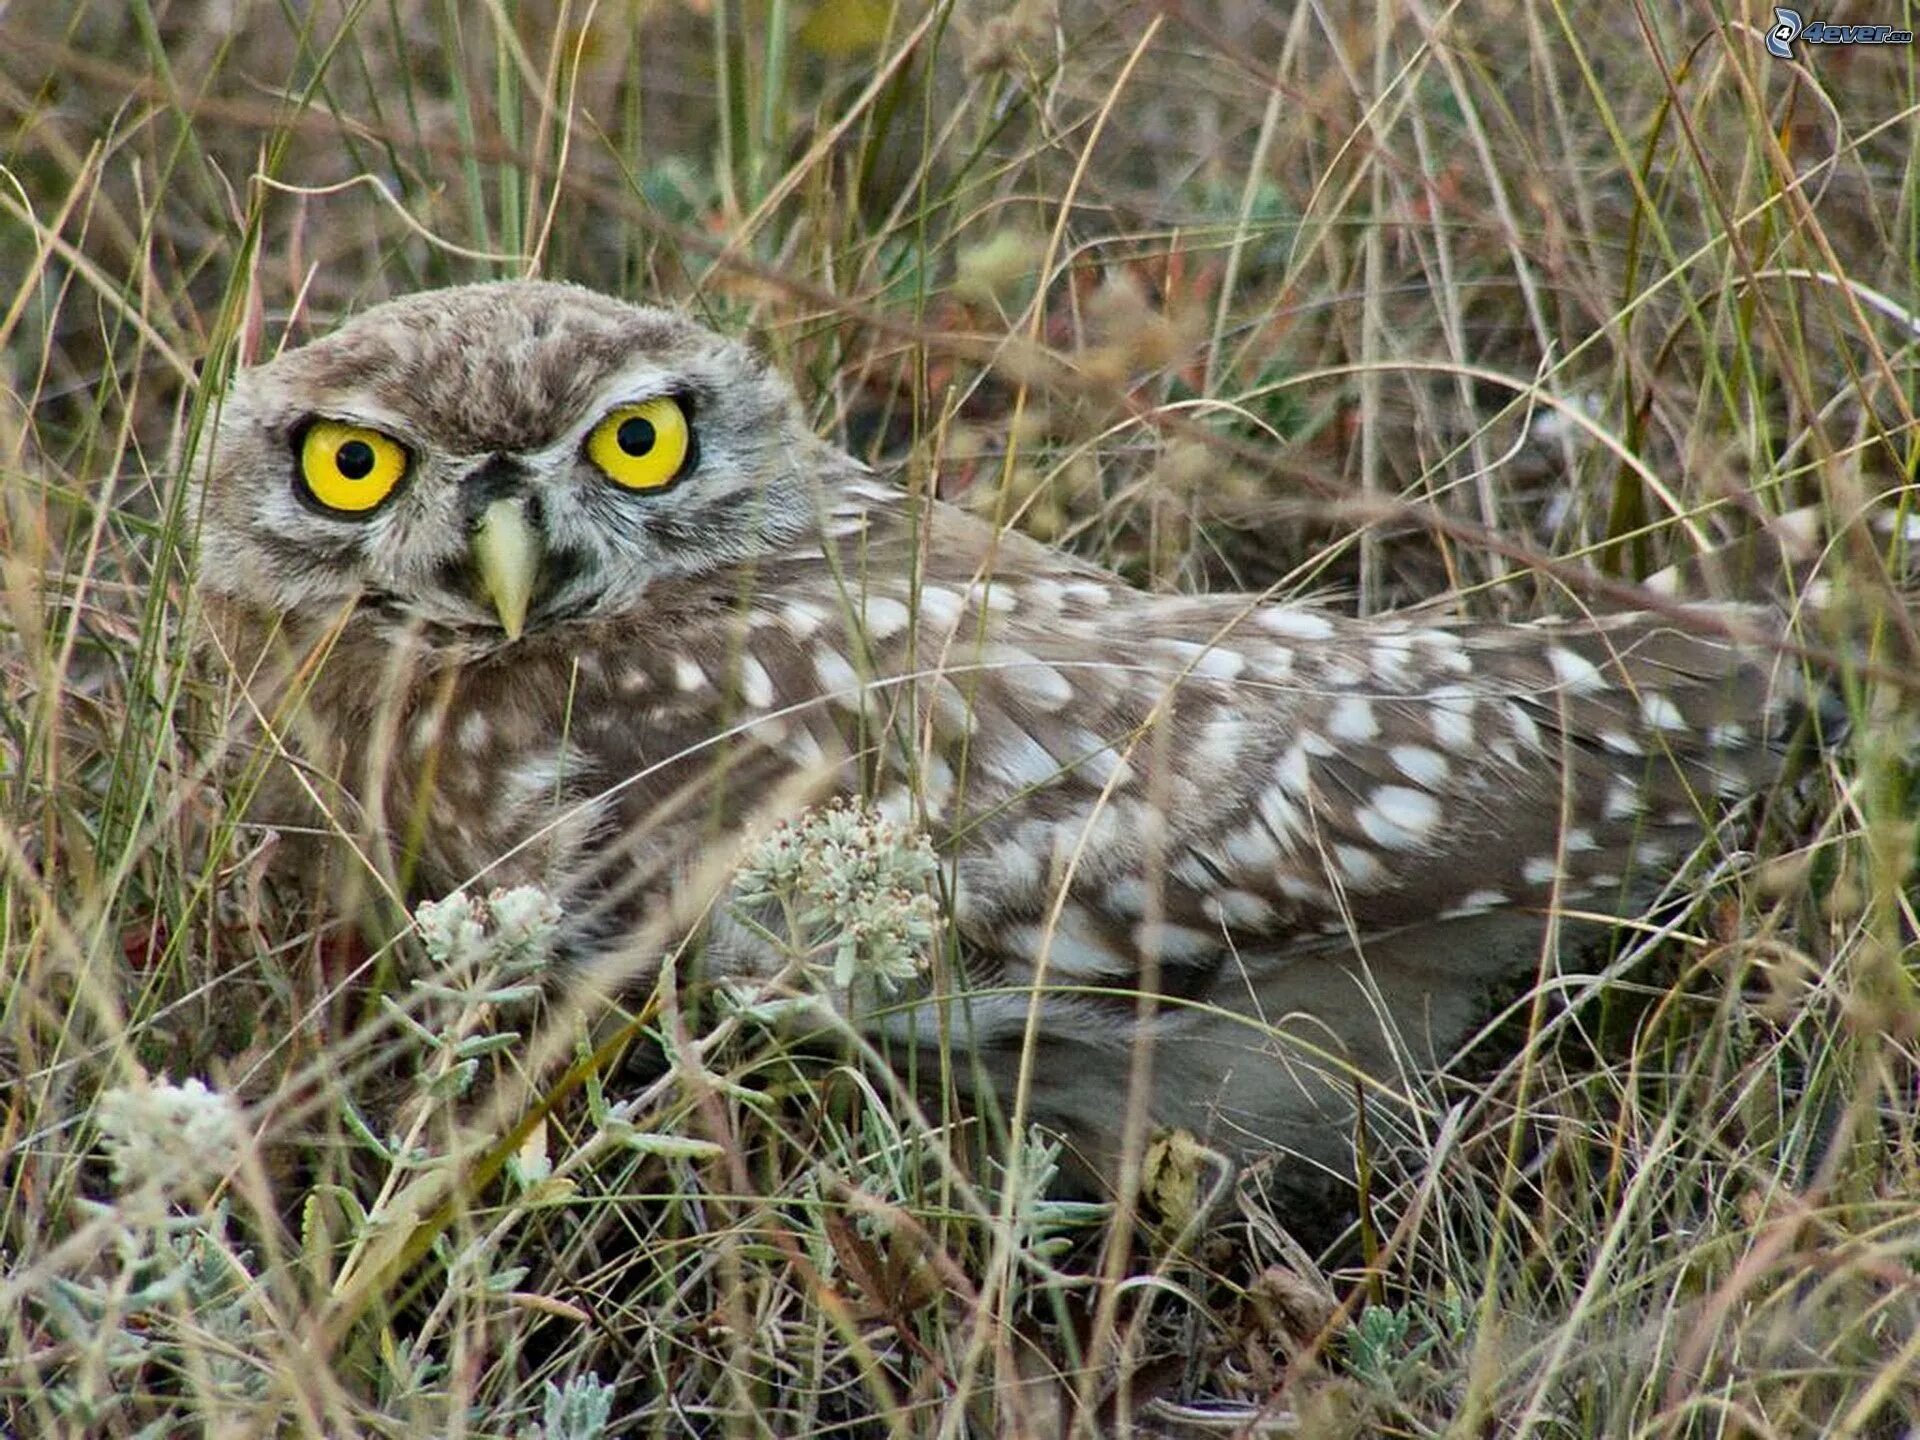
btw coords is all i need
(496, 458)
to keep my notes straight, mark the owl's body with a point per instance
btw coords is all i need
(1316, 840)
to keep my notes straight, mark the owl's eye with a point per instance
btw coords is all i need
(349, 469)
(644, 446)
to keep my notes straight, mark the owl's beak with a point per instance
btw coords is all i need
(507, 554)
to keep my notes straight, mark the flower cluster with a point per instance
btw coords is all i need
(852, 885)
(170, 1136)
(489, 957)
(515, 926)
(164, 1291)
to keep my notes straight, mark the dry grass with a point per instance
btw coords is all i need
(1399, 300)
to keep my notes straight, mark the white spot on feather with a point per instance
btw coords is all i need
(534, 778)
(1420, 765)
(1624, 801)
(756, 686)
(993, 595)
(936, 784)
(1540, 870)
(1577, 674)
(1474, 902)
(1292, 770)
(1390, 658)
(1214, 661)
(1359, 868)
(1173, 942)
(1093, 760)
(939, 607)
(1300, 889)
(1524, 729)
(802, 618)
(1218, 747)
(770, 731)
(1274, 663)
(1280, 815)
(1068, 952)
(474, 729)
(1251, 848)
(687, 675)
(1193, 872)
(1029, 679)
(1080, 844)
(953, 713)
(1020, 761)
(1008, 868)
(1127, 896)
(1342, 672)
(1238, 910)
(1041, 592)
(1088, 593)
(884, 617)
(1731, 784)
(804, 749)
(1352, 718)
(1658, 712)
(837, 677)
(1399, 818)
(1450, 714)
(1620, 742)
(1292, 624)
(1312, 742)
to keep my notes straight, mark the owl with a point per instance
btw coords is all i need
(535, 585)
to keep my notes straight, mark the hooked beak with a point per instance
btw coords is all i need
(507, 553)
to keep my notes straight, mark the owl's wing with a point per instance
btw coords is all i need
(1134, 783)
(1271, 817)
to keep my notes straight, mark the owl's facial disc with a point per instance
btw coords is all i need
(480, 463)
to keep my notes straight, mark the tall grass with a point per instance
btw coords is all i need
(1394, 302)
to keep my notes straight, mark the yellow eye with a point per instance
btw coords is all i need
(349, 468)
(644, 446)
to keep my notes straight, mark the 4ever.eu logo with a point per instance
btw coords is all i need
(1787, 28)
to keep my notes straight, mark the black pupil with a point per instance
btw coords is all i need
(635, 435)
(355, 459)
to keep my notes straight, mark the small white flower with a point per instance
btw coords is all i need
(168, 1135)
(525, 919)
(451, 929)
(510, 927)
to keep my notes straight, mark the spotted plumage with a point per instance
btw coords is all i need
(544, 654)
